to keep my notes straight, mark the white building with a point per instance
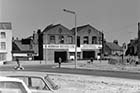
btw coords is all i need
(5, 42)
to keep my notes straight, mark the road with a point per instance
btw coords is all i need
(49, 68)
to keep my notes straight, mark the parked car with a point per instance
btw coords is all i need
(12, 85)
(38, 82)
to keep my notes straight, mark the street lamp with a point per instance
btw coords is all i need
(74, 13)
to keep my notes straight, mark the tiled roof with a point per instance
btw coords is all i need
(22, 47)
(5, 26)
(113, 46)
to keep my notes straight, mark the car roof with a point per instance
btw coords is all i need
(22, 73)
(2, 78)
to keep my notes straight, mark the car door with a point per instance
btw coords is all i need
(35, 84)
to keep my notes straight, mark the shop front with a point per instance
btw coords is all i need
(52, 52)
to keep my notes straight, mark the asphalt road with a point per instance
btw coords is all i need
(48, 68)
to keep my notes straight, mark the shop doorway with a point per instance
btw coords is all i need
(62, 54)
(88, 54)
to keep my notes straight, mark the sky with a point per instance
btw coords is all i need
(118, 19)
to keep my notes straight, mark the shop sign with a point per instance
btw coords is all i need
(91, 46)
(58, 46)
(20, 54)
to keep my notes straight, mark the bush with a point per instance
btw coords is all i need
(112, 61)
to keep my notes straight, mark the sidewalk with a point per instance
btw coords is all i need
(103, 65)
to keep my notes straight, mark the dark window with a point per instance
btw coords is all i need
(52, 39)
(85, 41)
(78, 41)
(94, 40)
(61, 38)
(3, 35)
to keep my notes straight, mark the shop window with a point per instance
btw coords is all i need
(52, 39)
(61, 38)
(94, 40)
(85, 41)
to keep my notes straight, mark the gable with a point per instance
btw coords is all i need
(58, 29)
(113, 47)
(89, 30)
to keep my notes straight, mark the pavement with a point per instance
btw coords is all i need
(96, 65)
(101, 65)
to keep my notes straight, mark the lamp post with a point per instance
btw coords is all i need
(74, 13)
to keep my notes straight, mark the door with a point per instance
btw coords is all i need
(88, 54)
(62, 55)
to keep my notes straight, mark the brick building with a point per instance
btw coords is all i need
(58, 41)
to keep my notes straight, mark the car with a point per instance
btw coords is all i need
(12, 85)
(38, 82)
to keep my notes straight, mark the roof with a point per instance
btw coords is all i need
(79, 28)
(5, 26)
(113, 46)
(23, 73)
(3, 78)
(19, 47)
(50, 27)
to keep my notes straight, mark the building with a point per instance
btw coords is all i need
(89, 42)
(22, 49)
(112, 49)
(133, 47)
(58, 41)
(5, 42)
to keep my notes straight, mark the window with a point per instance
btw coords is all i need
(60, 30)
(61, 38)
(3, 45)
(85, 41)
(69, 40)
(52, 39)
(12, 86)
(3, 35)
(94, 40)
(100, 40)
(34, 82)
(2, 56)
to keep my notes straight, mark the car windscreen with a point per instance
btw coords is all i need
(13, 85)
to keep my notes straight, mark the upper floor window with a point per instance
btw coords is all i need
(94, 40)
(60, 30)
(52, 39)
(100, 40)
(85, 41)
(69, 39)
(61, 39)
(3, 45)
(3, 35)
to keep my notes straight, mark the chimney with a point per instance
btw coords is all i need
(115, 41)
(138, 30)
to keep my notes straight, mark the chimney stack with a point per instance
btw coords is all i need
(138, 30)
